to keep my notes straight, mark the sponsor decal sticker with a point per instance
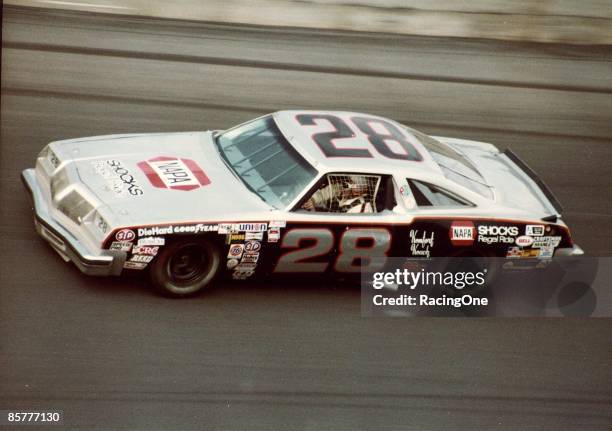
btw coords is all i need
(498, 230)
(462, 233)
(232, 263)
(534, 230)
(246, 266)
(253, 236)
(252, 246)
(237, 237)
(168, 230)
(524, 241)
(546, 241)
(546, 252)
(514, 252)
(174, 173)
(134, 265)
(273, 235)
(121, 245)
(242, 275)
(517, 252)
(154, 240)
(235, 251)
(141, 258)
(125, 235)
(278, 223)
(493, 234)
(421, 242)
(252, 227)
(118, 178)
(146, 249)
(223, 228)
(250, 258)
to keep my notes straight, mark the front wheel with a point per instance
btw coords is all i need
(185, 268)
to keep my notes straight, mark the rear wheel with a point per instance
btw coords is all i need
(185, 268)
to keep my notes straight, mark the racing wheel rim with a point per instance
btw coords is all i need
(189, 264)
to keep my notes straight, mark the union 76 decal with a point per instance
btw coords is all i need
(174, 173)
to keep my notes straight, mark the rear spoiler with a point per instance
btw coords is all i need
(536, 179)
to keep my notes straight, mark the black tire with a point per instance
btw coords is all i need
(473, 261)
(185, 267)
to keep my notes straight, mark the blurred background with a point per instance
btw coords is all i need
(568, 21)
(535, 76)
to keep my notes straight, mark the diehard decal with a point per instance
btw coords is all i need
(174, 173)
(168, 230)
(462, 233)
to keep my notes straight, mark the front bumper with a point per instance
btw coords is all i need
(108, 262)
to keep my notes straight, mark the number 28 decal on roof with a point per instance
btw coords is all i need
(174, 173)
(385, 137)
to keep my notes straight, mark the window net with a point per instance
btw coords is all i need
(353, 193)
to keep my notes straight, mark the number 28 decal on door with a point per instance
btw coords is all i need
(356, 250)
(379, 139)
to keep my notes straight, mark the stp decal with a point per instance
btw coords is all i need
(125, 235)
(174, 173)
(462, 233)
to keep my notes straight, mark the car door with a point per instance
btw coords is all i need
(335, 238)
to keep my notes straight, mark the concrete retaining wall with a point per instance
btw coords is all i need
(579, 22)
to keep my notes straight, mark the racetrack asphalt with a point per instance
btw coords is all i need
(112, 355)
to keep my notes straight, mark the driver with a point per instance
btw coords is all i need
(348, 196)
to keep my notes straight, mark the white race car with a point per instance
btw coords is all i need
(294, 192)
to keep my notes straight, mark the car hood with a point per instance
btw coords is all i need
(159, 178)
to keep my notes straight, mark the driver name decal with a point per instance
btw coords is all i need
(174, 173)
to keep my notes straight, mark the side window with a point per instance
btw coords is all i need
(348, 193)
(428, 195)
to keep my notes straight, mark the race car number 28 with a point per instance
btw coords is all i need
(366, 125)
(356, 248)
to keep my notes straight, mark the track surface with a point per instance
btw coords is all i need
(113, 356)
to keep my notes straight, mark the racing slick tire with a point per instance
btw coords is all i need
(185, 268)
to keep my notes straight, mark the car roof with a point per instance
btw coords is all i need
(300, 136)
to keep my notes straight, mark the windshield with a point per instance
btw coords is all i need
(455, 166)
(263, 159)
